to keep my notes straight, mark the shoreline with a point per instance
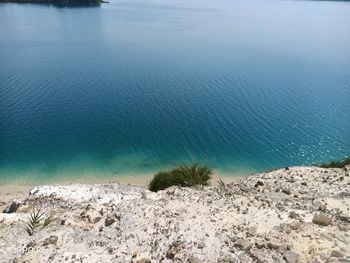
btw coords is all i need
(19, 190)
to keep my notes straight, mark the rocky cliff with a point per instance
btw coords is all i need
(298, 214)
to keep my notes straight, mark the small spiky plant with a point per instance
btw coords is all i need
(222, 189)
(34, 221)
(221, 183)
(48, 221)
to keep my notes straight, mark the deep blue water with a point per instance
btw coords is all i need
(132, 87)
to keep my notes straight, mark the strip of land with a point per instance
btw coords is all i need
(57, 2)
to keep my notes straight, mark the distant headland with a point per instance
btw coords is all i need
(57, 2)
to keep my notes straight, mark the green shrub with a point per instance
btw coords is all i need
(181, 176)
(337, 164)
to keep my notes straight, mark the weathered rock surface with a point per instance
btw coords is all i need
(50, 240)
(299, 214)
(322, 220)
(291, 257)
(13, 206)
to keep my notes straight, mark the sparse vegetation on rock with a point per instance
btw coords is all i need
(181, 176)
(337, 164)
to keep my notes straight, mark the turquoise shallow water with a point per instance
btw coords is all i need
(131, 87)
